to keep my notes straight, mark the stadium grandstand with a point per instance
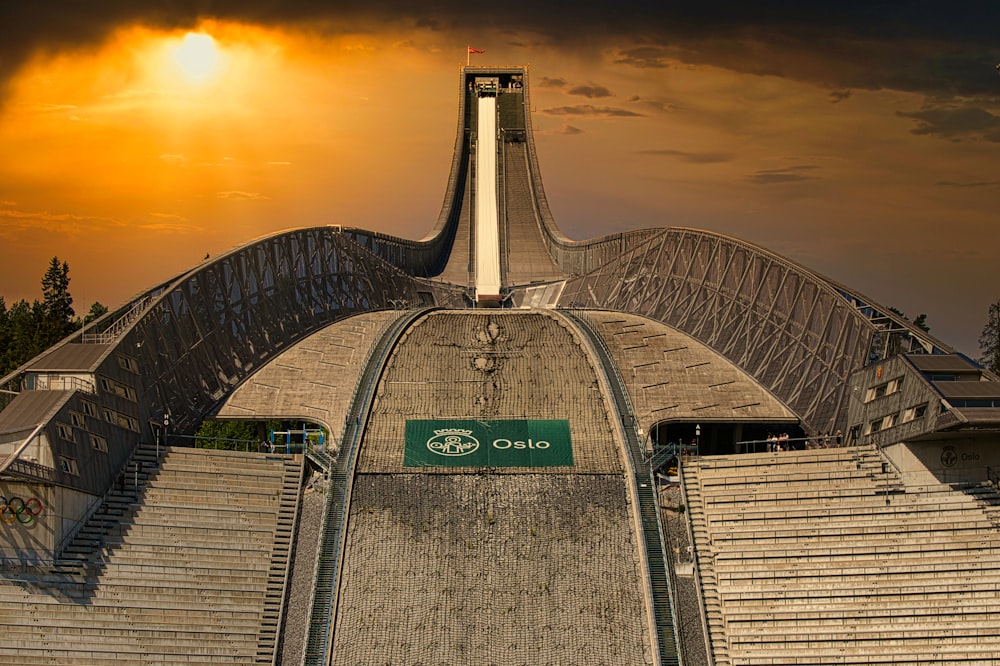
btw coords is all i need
(663, 446)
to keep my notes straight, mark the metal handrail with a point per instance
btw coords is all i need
(96, 506)
(636, 461)
(332, 538)
(286, 578)
(702, 609)
(111, 333)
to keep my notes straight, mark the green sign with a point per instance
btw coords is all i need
(464, 443)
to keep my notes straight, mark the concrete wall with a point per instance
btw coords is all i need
(952, 460)
(36, 541)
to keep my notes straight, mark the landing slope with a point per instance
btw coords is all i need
(490, 564)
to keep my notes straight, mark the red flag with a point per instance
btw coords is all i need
(472, 50)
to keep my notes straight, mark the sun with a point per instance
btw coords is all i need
(197, 57)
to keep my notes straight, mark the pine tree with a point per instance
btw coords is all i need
(97, 310)
(57, 304)
(5, 337)
(23, 338)
(989, 341)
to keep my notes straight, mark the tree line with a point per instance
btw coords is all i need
(28, 329)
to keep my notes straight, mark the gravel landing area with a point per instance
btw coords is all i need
(300, 586)
(688, 611)
(299, 600)
(514, 569)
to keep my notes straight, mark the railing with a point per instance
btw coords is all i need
(875, 439)
(660, 567)
(30, 470)
(111, 333)
(279, 620)
(44, 382)
(96, 506)
(702, 608)
(333, 536)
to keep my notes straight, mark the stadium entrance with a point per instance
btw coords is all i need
(724, 437)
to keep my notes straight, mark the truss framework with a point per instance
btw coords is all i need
(796, 333)
(219, 323)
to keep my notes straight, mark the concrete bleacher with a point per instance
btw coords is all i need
(517, 565)
(193, 570)
(825, 557)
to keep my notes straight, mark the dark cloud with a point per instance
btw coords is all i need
(691, 158)
(935, 48)
(565, 130)
(591, 110)
(590, 92)
(648, 56)
(973, 184)
(547, 82)
(791, 174)
(840, 95)
(956, 123)
(428, 24)
(660, 105)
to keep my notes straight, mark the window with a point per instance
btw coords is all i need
(128, 363)
(78, 420)
(882, 423)
(99, 443)
(121, 420)
(68, 465)
(882, 390)
(65, 432)
(914, 413)
(89, 408)
(979, 402)
(117, 388)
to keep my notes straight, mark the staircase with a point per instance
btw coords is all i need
(188, 566)
(281, 555)
(122, 495)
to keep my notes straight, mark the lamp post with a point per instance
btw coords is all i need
(697, 438)
(166, 424)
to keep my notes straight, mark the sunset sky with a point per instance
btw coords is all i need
(860, 139)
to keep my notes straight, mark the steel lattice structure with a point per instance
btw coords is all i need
(220, 323)
(182, 346)
(798, 334)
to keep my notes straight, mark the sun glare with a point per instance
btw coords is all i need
(197, 57)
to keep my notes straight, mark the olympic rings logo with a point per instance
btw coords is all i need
(17, 509)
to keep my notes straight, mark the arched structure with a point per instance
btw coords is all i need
(786, 345)
(178, 349)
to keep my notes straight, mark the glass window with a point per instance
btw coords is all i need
(68, 465)
(65, 432)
